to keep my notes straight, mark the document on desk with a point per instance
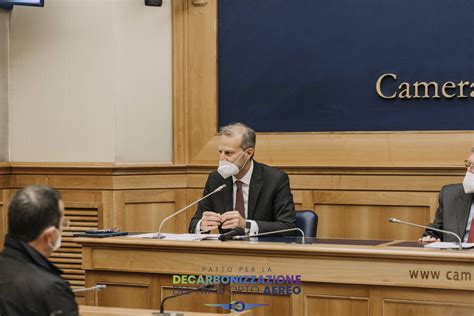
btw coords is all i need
(449, 245)
(183, 237)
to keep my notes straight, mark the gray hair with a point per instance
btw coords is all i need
(249, 137)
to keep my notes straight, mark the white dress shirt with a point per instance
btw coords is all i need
(469, 221)
(245, 190)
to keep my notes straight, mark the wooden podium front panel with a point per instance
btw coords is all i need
(278, 305)
(145, 291)
(416, 308)
(337, 279)
(125, 295)
(411, 302)
(326, 299)
(131, 290)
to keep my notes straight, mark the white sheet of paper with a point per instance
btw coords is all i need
(448, 245)
(185, 237)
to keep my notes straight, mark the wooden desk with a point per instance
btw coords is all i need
(338, 278)
(117, 311)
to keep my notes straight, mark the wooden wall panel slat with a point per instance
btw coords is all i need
(369, 222)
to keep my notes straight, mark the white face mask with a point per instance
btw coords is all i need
(57, 244)
(468, 183)
(227, 169)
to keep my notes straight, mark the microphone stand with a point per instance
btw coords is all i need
(97, 288)
(201, 288)
(274, 232)
(397, 221)
(159, 235)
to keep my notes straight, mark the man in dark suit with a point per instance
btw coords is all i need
(29, 283)
(456, 210)
(256, 198)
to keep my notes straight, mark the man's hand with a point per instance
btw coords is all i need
(210, 221)
(428, 239)
(232, 219)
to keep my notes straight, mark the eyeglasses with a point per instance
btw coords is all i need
(467, 163)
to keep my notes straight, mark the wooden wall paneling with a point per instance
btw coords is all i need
(5, 194)
(181, 221)
(117, 212)
(180, 83)
(364, 214)
(4, 199)
(303, 199)
(72, 182)
(107, 209)
(4, 175)
(201, 54)
(143, 210)
(434, 203)
(146, 181)
(83, 216)
(191, 196)
(4, 180)
(390, 180)
(298, 199)
(88, 196)
(197, 180)
(350, 149)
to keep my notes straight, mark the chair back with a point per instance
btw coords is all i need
(307, 221)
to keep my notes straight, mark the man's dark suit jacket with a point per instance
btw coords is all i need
(270, 201)
(452, 213)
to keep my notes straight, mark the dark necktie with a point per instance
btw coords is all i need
(239, 199)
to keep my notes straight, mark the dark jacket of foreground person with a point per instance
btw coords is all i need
(31, 285)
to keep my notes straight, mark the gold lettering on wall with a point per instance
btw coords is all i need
(448, 85)
(424, 90)
(426, 86)
(379, 83)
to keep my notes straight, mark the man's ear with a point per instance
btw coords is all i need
(249, 153)
(47, 235)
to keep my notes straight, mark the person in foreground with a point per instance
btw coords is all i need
(29, 283)
(456, 210)
(256, 198)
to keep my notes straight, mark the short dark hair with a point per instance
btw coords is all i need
(32, 210)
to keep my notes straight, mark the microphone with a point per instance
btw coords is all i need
(273, 232)
(201, 288)
(397, 221)
(159, 235)
(97, 288)
(234, 232)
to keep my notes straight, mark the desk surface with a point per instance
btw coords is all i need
(117, 311)
(292, 246)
